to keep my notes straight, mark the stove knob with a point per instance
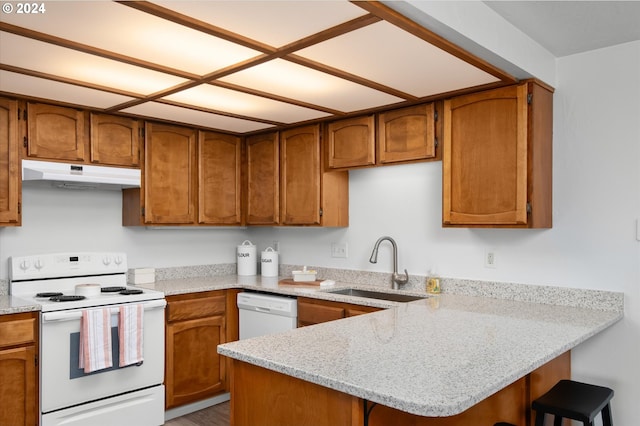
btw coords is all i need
(118, 260)
(39, 264)
(106, 260)
(25, 264)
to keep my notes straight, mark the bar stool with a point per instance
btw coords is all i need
(574, 400)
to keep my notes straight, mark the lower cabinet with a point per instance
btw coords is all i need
(18, 372)
(293, 401)
(195, 326)
(314, 311)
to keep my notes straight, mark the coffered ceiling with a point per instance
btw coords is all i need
(233, 66)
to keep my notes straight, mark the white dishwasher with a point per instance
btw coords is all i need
(262, 314)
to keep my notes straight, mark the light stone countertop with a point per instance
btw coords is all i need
(13, 305)
(434, 357)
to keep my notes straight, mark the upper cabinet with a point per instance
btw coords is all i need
(169, 178)
(189, 177)
(115, 140)
(497, 158)
(66, 134)
(406, 134)
(219, 179)
(287, 184)
(402, 135)
(300, 176)
(55, 133)
(10, 180)
(351, 142)
(262, 192)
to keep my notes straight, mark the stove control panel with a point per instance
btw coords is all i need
(60, 265)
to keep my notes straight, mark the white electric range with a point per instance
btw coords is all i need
(64, 285)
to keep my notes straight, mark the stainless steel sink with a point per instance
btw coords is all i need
(381, 295)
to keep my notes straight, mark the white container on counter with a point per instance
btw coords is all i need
(246, 258)
(269, 262)
(141, 275)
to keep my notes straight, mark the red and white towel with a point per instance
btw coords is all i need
(130, 334)
(95, 340)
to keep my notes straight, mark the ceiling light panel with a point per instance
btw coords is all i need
(196, 118)
(118, 28)
(25, 85)
(275, 23)
(391, 56)
(305, 84)
(63, 62)
(231, 101)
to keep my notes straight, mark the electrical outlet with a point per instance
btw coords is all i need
(276, 245)
(339, 250)
(490, 260)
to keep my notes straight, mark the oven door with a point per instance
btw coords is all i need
(63, 384)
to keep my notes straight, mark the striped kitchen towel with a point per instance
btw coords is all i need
(95, 340)
(130, 334)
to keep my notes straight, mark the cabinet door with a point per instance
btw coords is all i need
(193, 369)
(55, 133)
(115, 140)
(18, 391)
(485, 158)
(406, 134)
(169, 174)
(300, 176)
(219, 179)
(263, 179)
(351, 142)
(10, 180)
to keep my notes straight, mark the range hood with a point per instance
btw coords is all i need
(80, 176)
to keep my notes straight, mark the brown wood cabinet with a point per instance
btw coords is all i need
(263, 179)
(195, 326)
(115, 140)
(55, 133)
(18, 371)
(10, 179)
(300, 176)
(351, 142)
(308, 194)
(189, 177)
(497, 158)
(169, 174)
(403, 135)
(315, 311)
(292, 401)
(219, 179)
(406, 134)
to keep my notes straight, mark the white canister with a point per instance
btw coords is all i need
(269, 262)
(246, 258)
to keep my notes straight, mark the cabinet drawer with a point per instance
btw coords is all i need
(310, 313)
(199, 307)
(17, 331)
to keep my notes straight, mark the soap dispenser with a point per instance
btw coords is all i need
(433, 283)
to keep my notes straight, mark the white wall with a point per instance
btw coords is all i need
(592, 244)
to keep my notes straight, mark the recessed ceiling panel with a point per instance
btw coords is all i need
(124, 30)
(25, 85)
(275, 23)
(305, 84)
(196, 118)
(391, 56)
(234, 102)
(63, 62)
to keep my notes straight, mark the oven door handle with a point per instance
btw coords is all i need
(77, 313)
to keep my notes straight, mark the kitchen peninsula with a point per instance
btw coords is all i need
(445, 360)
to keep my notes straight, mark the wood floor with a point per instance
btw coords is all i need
(218, 415)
